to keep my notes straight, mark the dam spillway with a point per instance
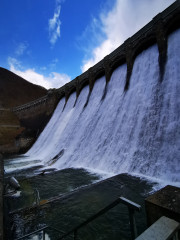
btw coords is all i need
(135, 131)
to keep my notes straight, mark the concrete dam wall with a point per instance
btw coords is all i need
(127, 123)
(122, 115)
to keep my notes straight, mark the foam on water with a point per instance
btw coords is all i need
(135, 132)
(27, 166)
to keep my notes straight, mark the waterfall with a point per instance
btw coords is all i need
(135, 131)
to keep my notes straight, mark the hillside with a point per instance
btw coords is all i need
(15, 90)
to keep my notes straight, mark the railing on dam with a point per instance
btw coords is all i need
(30, 104)
(48, 101)
(155, 32)
(132, 207)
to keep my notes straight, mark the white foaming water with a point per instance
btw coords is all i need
(136, 132)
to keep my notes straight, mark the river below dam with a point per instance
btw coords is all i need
(68, 197)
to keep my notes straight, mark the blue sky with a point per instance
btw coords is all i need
(50, 42)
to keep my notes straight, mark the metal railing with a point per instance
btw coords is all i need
(132, 207)
(30, 104)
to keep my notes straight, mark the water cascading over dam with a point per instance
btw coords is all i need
(136, 131)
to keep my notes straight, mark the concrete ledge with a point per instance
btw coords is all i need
(164, 202)
(164, 229)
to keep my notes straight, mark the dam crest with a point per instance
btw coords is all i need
(155, 32)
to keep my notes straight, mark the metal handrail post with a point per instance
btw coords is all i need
(175, 237)
(44, 234)
(132, 223)
(75, 235)
(132, 207)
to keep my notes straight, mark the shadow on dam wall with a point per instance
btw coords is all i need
(34, 116)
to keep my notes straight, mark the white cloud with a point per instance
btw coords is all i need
(126, 18)
(58, 79)
(21, 48)
(54, 25)
(54, 80)
(53, 63)
(14, 62)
